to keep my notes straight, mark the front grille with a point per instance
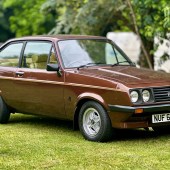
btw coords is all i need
(161, 94)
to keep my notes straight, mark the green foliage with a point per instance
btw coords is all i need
(100, 16)
(67, 11)
(97, 17)
(4, 24)
(153, 17)
(27, 19)
(85, 16)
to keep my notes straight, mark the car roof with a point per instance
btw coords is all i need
(53, 38)
(57, 37)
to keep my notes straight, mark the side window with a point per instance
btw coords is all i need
(53, 59)
(36, 55)
(9, 56)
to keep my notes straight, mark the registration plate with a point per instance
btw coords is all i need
(158, 118)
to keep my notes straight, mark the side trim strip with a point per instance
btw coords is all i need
(59, 83)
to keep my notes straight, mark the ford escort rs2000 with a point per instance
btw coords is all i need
(86, 79)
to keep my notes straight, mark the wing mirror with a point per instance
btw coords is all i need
(54, 67)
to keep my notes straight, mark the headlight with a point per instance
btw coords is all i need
(134, 96)
(146, 95)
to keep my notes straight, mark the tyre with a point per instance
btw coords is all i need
(4, 112)
(94, 122)
(161, 129)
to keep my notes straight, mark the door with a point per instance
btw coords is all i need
(38, 90)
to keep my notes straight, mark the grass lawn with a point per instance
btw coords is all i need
(29, 142)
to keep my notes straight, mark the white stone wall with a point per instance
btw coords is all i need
(130, 44)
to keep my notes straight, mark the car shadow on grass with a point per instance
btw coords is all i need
(53, 124)
(39, 121)
(136, 134)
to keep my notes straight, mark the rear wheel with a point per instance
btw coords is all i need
(94, 122)
(4, 112)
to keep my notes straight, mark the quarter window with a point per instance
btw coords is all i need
(53, 59)
(36, 55)
(9, 56)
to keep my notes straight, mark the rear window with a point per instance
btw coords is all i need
(9, 56)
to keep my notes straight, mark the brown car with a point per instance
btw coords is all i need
(86, 79)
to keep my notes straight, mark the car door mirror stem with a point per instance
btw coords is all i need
(59, 73)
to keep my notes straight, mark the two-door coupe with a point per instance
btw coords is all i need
(87, 79)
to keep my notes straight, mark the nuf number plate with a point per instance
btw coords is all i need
(158, 118)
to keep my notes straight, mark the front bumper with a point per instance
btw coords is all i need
(126, 116)
(146, 109)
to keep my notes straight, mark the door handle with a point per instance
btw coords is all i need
(19, 74)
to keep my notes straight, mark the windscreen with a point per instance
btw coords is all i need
(76, 53)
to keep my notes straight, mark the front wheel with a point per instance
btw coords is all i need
(94, 122)
(4, 112)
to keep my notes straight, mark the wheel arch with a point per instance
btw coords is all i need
(84, 98)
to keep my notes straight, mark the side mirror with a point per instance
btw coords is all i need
(52, 67)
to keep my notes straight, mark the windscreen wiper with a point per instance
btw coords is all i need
(88, 64)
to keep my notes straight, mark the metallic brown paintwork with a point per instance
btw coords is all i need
(45, 93)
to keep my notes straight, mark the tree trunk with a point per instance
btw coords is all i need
(144, 50)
